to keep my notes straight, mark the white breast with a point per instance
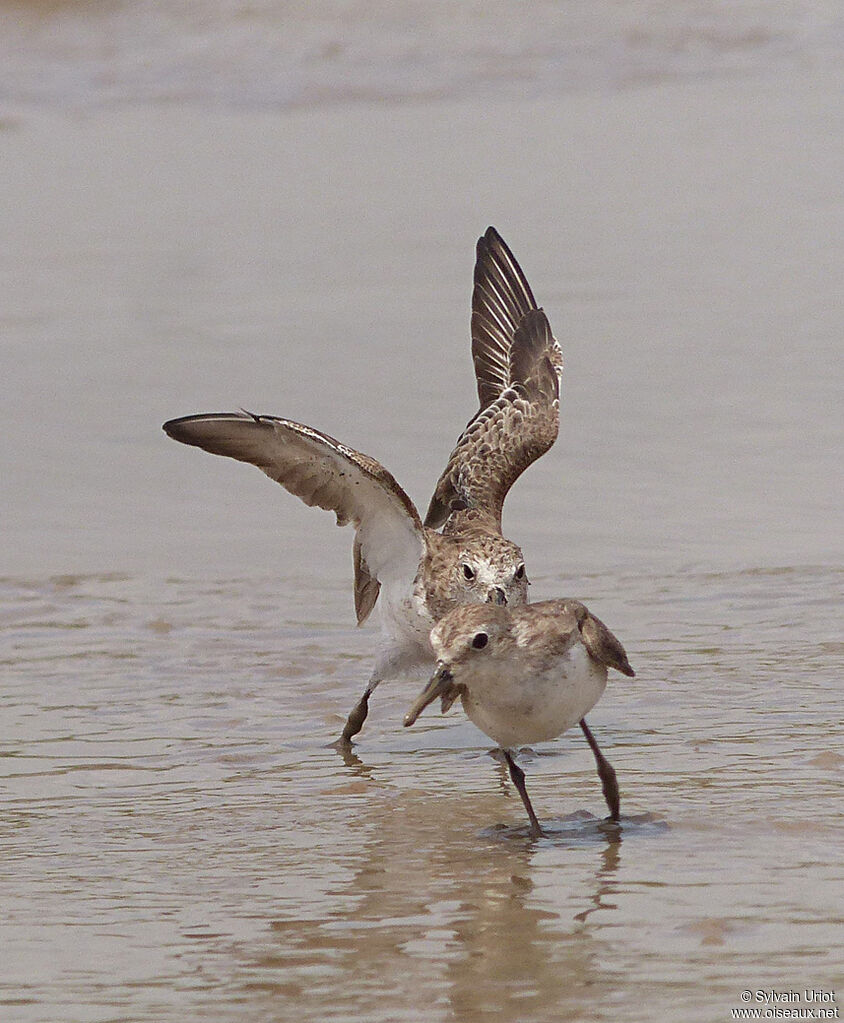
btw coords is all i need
(406, 625)
(516, 706)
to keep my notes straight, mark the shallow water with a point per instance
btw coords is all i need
(180, 843)
(176, 634)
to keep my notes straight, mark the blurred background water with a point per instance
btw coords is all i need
(265, 52)
(275, 206)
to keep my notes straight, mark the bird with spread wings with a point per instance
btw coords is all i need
(420, 571)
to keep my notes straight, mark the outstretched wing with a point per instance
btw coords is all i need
(518, 365)
(509, 434)
(501, 298)
(323, 472)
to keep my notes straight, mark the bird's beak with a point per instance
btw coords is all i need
(441, 684)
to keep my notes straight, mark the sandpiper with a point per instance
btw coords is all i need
(525, 675)
(458, 555)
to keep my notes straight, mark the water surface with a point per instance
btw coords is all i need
(179, 843)
(176, 633)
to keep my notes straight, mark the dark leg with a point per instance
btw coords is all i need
(355, 720)
(606, 772)
(518, 777)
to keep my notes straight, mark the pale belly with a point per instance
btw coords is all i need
(538, 707)
(406, 625)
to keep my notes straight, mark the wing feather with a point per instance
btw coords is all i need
(507, 436)
(323, 472)
(517, 365)
(603, 645)
(501, 298)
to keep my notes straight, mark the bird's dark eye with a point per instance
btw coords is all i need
(520, 572)
(480, 640)
(468, 572)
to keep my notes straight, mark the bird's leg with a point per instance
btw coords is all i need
(355, 720)
(606, 772)
(518, 777)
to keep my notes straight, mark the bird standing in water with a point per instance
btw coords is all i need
(524, 675)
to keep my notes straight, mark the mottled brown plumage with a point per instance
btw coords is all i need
(494, 560)
(517, 364)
